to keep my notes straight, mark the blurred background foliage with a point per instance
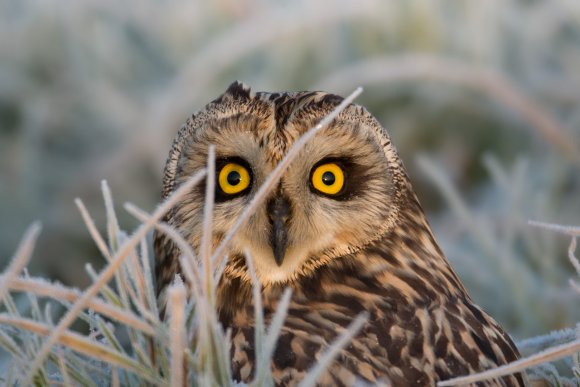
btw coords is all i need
(482, 99)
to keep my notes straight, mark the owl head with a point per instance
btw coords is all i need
(344, 190)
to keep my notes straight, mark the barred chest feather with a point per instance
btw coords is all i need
(422, 326)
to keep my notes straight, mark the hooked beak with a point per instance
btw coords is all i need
(279, 213)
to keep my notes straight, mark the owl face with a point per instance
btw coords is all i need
(337, 196)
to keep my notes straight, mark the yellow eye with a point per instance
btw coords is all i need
(328, 178)
(233, 178)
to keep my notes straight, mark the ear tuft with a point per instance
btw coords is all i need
(236, 91)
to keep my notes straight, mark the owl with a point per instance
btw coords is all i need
(343, 229)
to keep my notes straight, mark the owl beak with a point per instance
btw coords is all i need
(279, 213)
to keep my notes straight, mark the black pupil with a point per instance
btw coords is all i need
(328, 178)
(234, 178)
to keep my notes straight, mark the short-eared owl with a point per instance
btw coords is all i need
(343, 229)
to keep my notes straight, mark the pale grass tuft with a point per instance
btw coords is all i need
(40, 287)
(106, 275)
(83, 344)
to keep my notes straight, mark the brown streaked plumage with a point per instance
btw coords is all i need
(366, 248)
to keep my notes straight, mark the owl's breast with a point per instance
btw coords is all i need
(403, 341)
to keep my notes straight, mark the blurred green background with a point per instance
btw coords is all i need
(482, 99)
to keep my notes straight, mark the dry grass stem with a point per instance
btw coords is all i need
(206, 235)
(277, 323)
(176, 304)
(330, 354)
(265, 345)
(112, 222)
(63, 371)
(148, 274)
(572, 231)
(114, 378)
(90, 224)
(551, 354)
(20, 259)
(260, 361)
